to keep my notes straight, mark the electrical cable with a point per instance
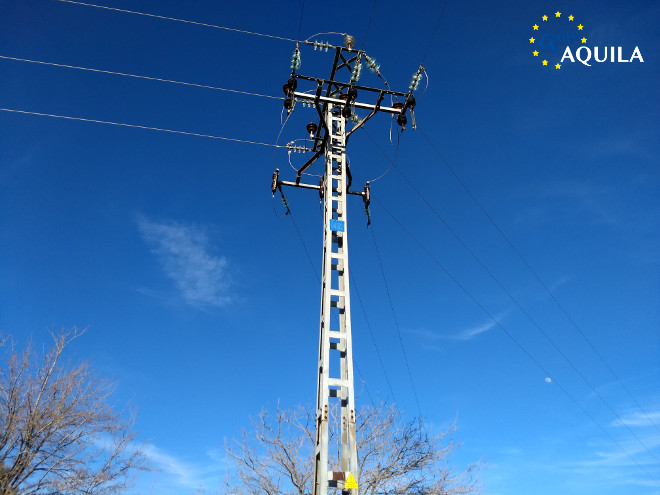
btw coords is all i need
(426, 76)
(398, 331)
(534, 273)
(277, 140)
(275, 208)
(302, 241)
(302, 11)
(516, 302)
(524, 261)
(392, 161)
(510, 335)
(366, 33)
(389, 298)
(373, 338)
(179, 20)
(160, 129)
(435, 29)
(364, 383)
(311, 262)
(276, 146)
(137, 76)
(322, 33)
(536, 276)
(318, 279)
(309, 258)
(308, 174)
(396, 324)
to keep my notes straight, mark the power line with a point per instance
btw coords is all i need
(435, 29)
(160, 129)
(364, 383)
(302, 11)
(373, 338)
(311, 263)
(137, 76)
(398, 331)
(364, 312)
(366, 33)
(302, 241)
(572, 321)
(389, 297)
(537, 277)
(214, 26)
(510, 335)
(392, 161)
(396, 323)
(515, 301)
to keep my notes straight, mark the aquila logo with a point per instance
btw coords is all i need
(562, 34)
(583, 55)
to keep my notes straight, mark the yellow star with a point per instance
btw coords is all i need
(580, 27)
(584, 40)
(557, 14)
(545, 62)
(570, 17)
(536, 54)
(532, 40)
(536, 28)
(557, 66)
(545, 17)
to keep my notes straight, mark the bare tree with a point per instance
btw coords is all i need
(58, 433)
(395, 456)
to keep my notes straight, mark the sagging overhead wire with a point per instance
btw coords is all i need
(497, 322)
(146, 14)
(435, 30)
(515, 301)
(323, 33)
(373, 338)
(318, 278)
(396, 323)
(524, 261)
(293, 148)
(366, 33)
(302, 12)
(392, 161)
(538, 278)
(137, 76)
(136, 126)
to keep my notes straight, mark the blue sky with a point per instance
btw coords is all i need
(197, 290)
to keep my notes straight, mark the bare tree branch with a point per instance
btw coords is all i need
(58, 434)
(395, 456)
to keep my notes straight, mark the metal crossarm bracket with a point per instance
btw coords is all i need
(312, 186)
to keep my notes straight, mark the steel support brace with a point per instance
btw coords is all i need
(335, 359)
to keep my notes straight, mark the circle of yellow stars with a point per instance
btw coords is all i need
(535, 27)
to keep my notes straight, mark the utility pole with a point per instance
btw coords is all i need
(336, 464)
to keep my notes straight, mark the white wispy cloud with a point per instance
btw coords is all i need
(594, 201)
(184, 473)
(639, 419)
(468, 333)
(620, 460)
(471, 332)
(559, 282)
(600, 465)
(173, 475)
(185, 256)
(629, 462)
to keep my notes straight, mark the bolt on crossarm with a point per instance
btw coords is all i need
(335, 464)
